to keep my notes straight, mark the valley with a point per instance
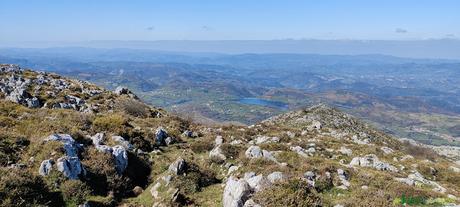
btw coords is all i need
(409, 98)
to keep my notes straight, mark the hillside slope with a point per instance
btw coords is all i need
(65, 142)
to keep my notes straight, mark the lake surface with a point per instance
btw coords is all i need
(264, 102)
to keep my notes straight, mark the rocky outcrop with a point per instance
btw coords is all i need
(121, 158)
(417, 178)
(372, 161)
(119, 152)
(70, 164)
(70, 167)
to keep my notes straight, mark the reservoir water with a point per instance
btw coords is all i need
(264, 102)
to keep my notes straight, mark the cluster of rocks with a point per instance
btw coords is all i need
(304, 152)
(69, 165)
(162, 138)
(26, 90)
(238, 191)
(119, 152)
(415, 178)
(216, 153)
(178, 168)
(120, 90)
(14, 87)
(372, 161)
(256, 152)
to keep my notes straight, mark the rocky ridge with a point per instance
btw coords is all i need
(123, 152)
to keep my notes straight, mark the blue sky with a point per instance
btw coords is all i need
(83, 20)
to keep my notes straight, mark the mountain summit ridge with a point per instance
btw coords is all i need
(65, 142)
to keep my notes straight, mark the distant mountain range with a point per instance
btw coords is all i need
(430, 48)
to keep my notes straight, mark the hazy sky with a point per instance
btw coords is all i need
(82, 20)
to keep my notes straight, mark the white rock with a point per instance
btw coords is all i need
(70, 147)
(45, 167)
(254, 152)
(232, 169)
(98, 139)
(219, 141)
(217, 153)
(258, 183)
(251, 203)
(178, 167)
(275, 177)
(454, 169)
(120, 140)
(236, 192)
(345, 151)
(70, 167)
(121, 158)
(387, 150)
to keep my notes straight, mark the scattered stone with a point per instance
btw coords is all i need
(407, 157)
(154, 190)
(314, 125)
(170, 141)
(356, 140)
(120, 90)
(251, 203)
(310, 176)
(415, 177)
(160, 136)
(216, 153)
(275, 177)
(454, 169)
(290, 134)
(345, 151)
(122, 142)
(188, 133)
(343, 178)
(98, 139)
(266, 139)
(218, 141)
(137, 190)
(45, 167)
(254, 152)
(258, 183)
(302, 152)
(232, 169)
(178, 167)
(387, 150)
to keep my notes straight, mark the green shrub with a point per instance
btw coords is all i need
(201, 146)
(231, 151)
(195, 179)
(102, 176)
(10, 149)
(133, 107)
(115, 123)
(19, 187)
(74, 192)
(292, 193)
